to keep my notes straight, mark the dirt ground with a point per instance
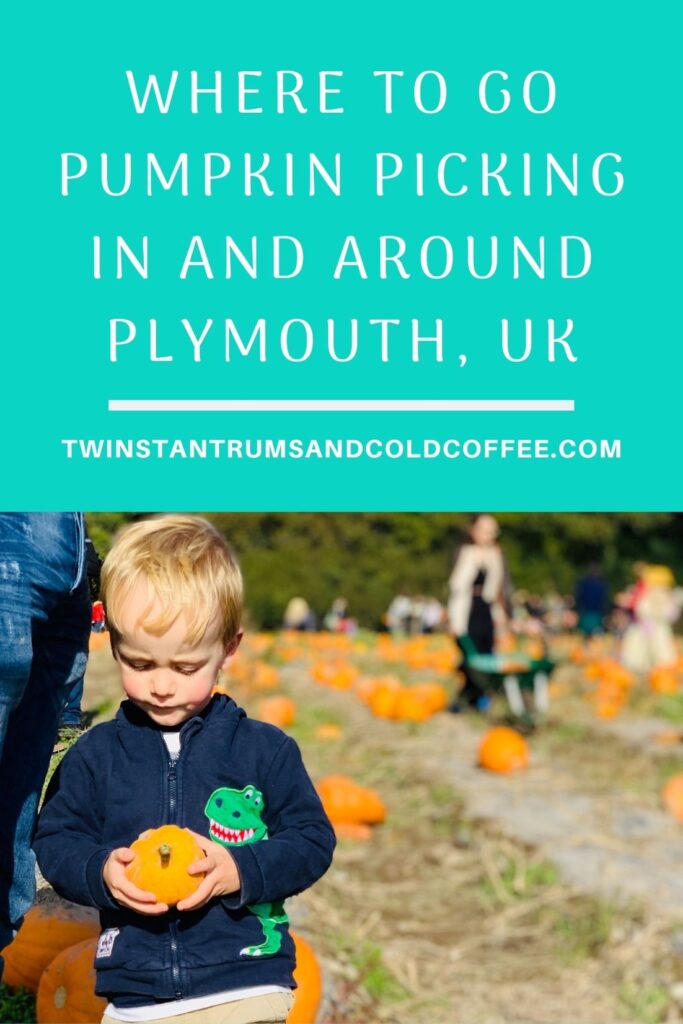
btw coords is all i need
(550, 897)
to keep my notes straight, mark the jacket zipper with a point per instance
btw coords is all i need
(172, 787)
(175, 960)
(172, 780)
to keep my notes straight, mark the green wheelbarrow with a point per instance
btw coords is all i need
(512, 674)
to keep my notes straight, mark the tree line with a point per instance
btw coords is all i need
(368, 557)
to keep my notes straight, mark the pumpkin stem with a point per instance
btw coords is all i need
(165, 854)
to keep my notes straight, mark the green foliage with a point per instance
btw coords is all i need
(369, 556)
(17, 1006)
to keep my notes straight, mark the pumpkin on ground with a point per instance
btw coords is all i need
(280, 711)
(433, 694)
(328, 731)
(66, 994)
(162, 857)
(411, 706)
(46, 931)
(672, 796)
(503, 750)
(264, 676)
(664, 679)
(308, 977)
(345, 801)
(383, 701)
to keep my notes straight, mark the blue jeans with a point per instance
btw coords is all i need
(71, 712)
(44, 631)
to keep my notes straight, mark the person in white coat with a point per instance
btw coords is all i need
(476, 595)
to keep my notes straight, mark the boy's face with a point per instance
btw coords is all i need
(165, 675)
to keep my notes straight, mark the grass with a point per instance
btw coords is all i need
(668, 766)
(583, 930)
(671, 708)
(17, 1006)
(375, 976)
(518, 879)
(308, 719)
(645, 1004)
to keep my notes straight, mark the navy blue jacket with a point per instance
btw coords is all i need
(117, 781)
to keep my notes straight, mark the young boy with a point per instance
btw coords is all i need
(175, 754)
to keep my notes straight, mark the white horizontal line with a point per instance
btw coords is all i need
(341, 405)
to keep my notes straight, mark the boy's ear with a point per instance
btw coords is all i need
(231, 648)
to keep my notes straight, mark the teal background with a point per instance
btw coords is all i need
(65, 90)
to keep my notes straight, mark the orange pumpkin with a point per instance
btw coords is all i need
(344, 800)
(280, 711)
(607, 708)
(383, 701)
(309, 981)
(668, 738)
(411, 706)
(162, 857)
(367, 685)
(535, 649)
(664, 679)
(672, 796)
(503, 750)
(328, 731)
(434, 695)
(66, 994)
(46, 931)
(265, 676)
(506, 643)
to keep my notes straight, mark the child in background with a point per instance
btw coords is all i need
(175, 754)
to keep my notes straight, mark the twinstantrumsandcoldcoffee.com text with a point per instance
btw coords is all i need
(393, 448)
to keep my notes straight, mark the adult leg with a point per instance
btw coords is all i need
(480, 632)
(16, 654)
(49, 616)
(71, 712)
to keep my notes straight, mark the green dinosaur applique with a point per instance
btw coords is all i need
(235, 819)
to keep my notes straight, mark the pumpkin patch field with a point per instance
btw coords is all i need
(488, 870)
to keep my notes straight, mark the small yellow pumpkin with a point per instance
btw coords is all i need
(162, 857)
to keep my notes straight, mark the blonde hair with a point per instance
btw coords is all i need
(658, 576)
(188, 568)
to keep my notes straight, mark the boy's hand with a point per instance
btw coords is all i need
(220, 869)
(123, 890)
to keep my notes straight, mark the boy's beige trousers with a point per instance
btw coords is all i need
(269, 1009)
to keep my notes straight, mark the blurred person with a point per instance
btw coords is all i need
(298, 615)
(336, 619)
(477, 586)
(591, 601)
(398, 614)
(432, 615)
(648, 641)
